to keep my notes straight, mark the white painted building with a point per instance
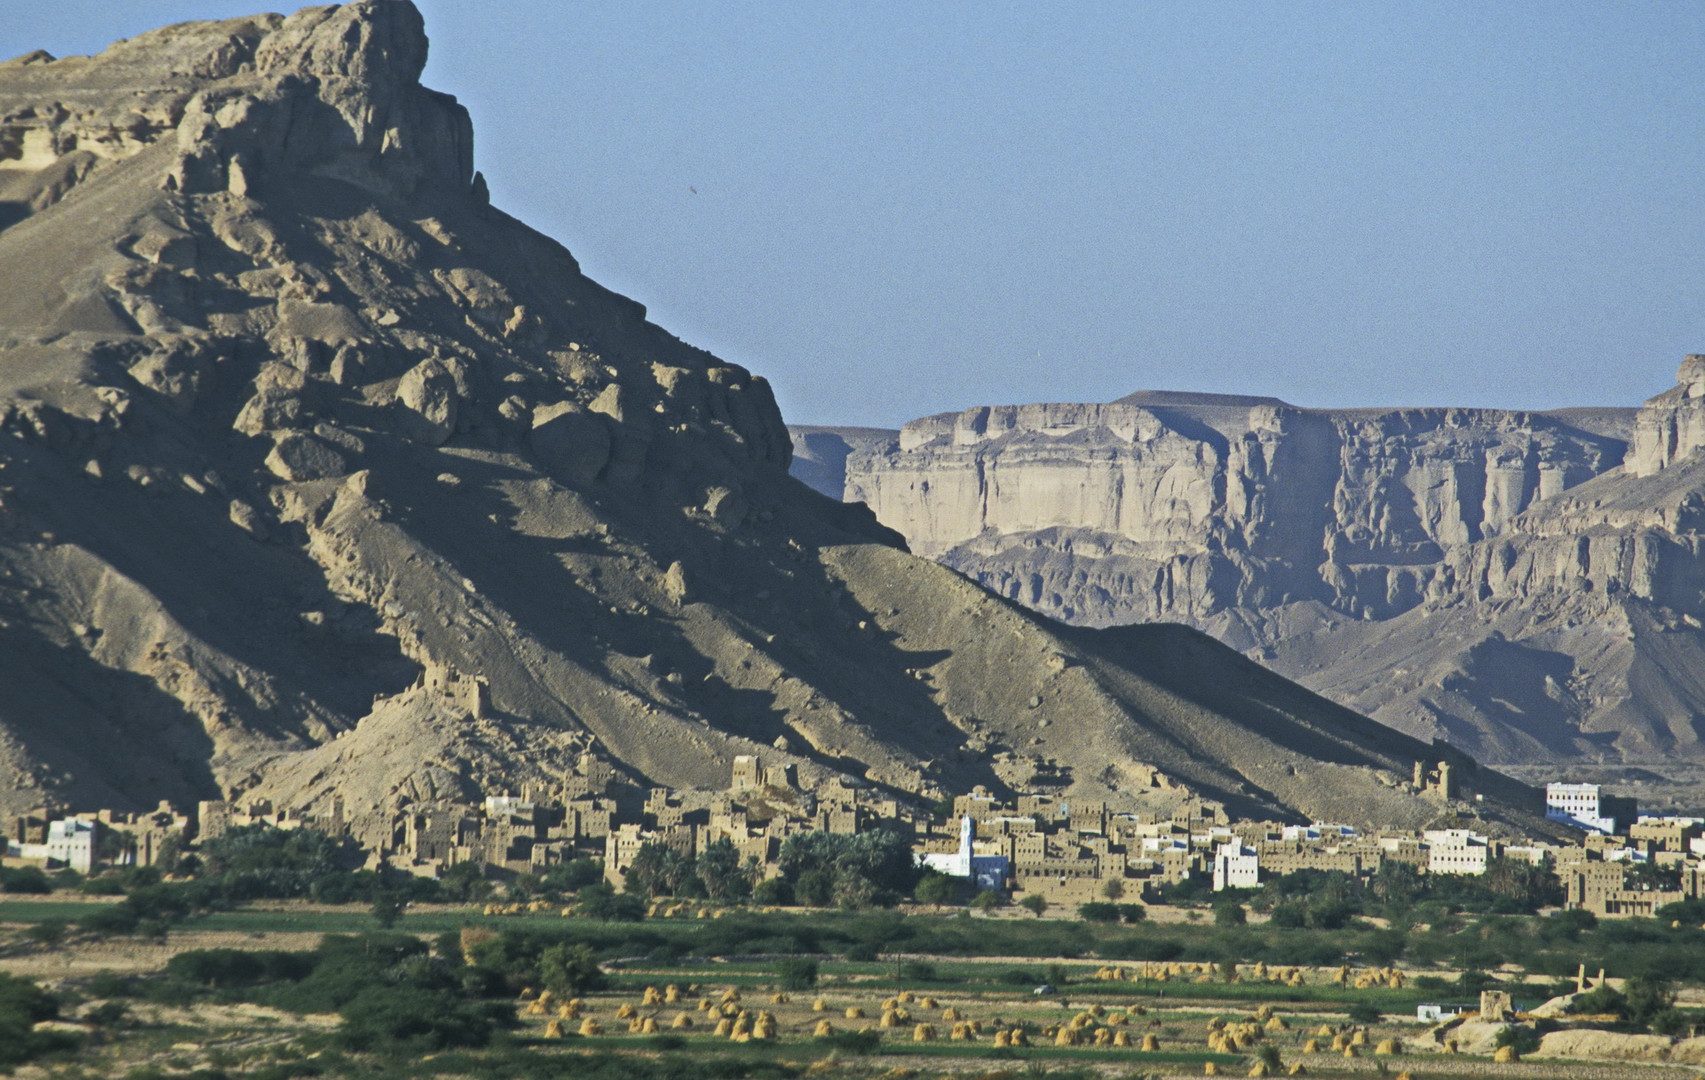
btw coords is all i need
(1581, 805)
(70, 843)
(989, 871)
(1318, 831)
(1236, 866)
(1534, 855)
(1154, 845)
(1456, 851)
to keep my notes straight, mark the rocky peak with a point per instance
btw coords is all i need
(381, 43)
(300, 434)
(1672, 425)
(336, 92)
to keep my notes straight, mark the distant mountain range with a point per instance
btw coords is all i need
(1529, 587)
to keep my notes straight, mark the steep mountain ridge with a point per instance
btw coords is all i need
(322, 478)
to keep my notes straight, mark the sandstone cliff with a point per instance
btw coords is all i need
(1189, 507)
(1500, 580)
(319, 477)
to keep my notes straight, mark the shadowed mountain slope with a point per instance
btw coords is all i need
(320, 477)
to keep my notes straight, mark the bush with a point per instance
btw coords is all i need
(24, 879)
(918, 971)
(1524, 1040)
(571, 970)
(113, 919)
(601, 901)
(797, 973)
(107, 1014)
(853, 1042)
(777, 892)
(1230, 913)
(1363, 1012)
(22, 1006)
(1098, 912)
(862, 952)
(1160, 950)
(465, 882)
(937, 888)
(383, 1015)
(1472, 982)
(49, 932)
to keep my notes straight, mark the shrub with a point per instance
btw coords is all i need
(775, 891)
(1363, 1012)
(861, 952)
(22, 1006)
(936, 888)
(1141, 948)
(571, 970)
(600, 901)
(1230, 913)
(112, 919)
(227, 969)
(49, 932)
(24, 879)
(797, 972)
(853, 1042)
(1524, 1040)
(381, 1015)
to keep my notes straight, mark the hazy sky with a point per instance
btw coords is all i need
(892, 209)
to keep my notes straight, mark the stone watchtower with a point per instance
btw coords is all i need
(1495, 1006)
(748, 773)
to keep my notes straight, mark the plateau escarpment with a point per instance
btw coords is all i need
(1191, 506)
(1498, 579)
(321, 478)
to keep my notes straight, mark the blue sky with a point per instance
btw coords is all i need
(893, 209)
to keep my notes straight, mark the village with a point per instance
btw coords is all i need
(1066, 852)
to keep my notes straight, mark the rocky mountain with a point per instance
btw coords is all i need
(321, 477)
(1501, 580)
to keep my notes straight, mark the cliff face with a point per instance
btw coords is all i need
(320, 477)
(1496, 579)
(1104, 514)
(1672, 425)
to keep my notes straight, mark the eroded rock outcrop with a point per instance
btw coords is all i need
(1671, 426)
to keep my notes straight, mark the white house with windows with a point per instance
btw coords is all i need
(1456, 851)
(1581, 805)
(70, 843)
(1236, 866)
